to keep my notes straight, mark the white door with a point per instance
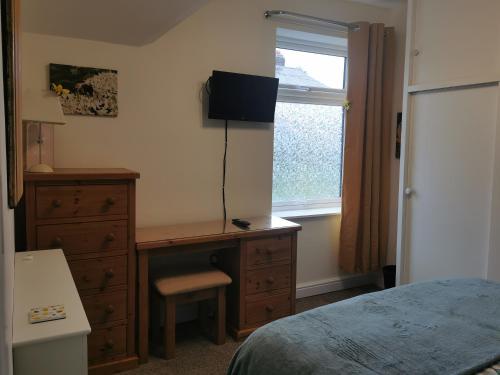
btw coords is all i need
(450, 153)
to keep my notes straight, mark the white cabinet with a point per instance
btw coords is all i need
(449, 140)
(455, 40)
(451, 160)
(57, 347)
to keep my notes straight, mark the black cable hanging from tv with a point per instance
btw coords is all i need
(240, 97)
(224, 173)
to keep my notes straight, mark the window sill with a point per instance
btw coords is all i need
(308, 212)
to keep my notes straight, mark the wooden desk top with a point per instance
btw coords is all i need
(211, 231)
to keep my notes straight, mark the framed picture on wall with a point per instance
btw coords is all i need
(85, 91)
(11, 35)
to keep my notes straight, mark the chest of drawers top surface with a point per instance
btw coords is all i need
(82, 174)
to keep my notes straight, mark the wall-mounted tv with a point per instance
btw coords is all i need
(242, 97)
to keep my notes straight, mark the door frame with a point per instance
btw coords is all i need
(402, 276)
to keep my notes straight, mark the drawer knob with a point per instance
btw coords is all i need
(86, 278)
(269, 251)
(56, 203)
(110, 237)
(269, 308)
(270, 280)
(110, 309)
(57, 242)
(110, 201)
(109, 344)
(109, 273)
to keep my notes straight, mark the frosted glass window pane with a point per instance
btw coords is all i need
(308, 147)
(308, 69)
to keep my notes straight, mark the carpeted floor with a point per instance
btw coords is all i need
(196, 355)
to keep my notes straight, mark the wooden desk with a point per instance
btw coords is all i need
(261, 261)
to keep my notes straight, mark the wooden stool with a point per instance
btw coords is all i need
(192, 284)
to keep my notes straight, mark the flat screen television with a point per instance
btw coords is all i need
(242, 97)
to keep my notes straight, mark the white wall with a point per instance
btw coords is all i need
(318, 245)
(6, 253)
(161, 131)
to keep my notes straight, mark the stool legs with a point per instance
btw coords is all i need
(220, 316)
(169, 329)
(220, 320)
(154, 316)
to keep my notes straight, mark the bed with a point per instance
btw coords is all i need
(439, 327)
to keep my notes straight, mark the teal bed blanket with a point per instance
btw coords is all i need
(441, 327)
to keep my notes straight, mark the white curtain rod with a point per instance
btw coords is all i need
(272, 13)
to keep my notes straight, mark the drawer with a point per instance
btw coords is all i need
(267, 279)
(81, 238)
(99, 273)
(267, 308)
(266, 251)
(106, 343)
(105, 307)
(80, 201)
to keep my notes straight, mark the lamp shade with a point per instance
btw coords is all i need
(43, 107)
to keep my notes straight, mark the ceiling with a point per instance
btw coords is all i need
(107, 20)
(130, 22)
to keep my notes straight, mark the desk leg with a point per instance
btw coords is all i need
(293, 294)
(143, 306)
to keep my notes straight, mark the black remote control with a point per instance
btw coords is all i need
(241, 223)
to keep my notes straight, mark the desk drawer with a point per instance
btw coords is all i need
(267, 308)
(84, 237)
(99, 273)
(80, 201)
(267, 251)
(105, 307)
(268, 279)
(103, 344)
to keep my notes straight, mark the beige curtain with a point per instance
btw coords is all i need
(367, 149)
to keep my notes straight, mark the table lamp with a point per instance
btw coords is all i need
(40, 109)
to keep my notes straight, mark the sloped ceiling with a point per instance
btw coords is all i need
(131, 22)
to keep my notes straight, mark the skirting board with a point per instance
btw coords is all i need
(334, 284)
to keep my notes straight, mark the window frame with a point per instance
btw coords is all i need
(311, 95)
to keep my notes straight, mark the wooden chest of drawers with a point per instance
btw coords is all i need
(90, 214)
(263, 288)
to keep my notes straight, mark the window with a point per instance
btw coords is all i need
(309, 120)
